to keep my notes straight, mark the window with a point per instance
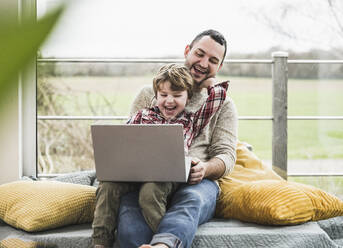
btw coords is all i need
(91, 69)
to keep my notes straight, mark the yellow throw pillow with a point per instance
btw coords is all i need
(15, 243)
(41, 205)
(277, 202)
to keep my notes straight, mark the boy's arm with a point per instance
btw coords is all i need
(135, 119)
(216, 97)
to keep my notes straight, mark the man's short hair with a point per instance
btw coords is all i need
(179, 77)
(215, 35)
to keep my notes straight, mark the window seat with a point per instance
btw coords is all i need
(216, 233)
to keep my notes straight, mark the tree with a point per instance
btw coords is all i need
(308, 23)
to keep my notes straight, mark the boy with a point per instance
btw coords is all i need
(173, 88)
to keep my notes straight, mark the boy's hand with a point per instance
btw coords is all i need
(208, 82)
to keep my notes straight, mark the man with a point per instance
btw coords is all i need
(213, 152)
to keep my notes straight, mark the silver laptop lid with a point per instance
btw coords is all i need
(140, 153)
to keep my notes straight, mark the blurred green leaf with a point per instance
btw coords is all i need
(18, 44)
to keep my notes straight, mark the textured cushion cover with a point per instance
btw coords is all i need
(279, 203)
(253, 192)
(41, 205)
(16, 242)
(81, 177)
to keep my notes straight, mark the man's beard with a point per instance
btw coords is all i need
(196, 84)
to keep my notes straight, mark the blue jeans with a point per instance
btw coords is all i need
(190, 206)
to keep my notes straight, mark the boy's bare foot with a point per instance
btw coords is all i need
(154, 246)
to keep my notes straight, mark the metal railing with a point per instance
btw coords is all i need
(279, 63)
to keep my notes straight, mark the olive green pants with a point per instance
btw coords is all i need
(153, 199)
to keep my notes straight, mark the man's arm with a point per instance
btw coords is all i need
(224, 137)
(142, 100)
(212, 169)
(222, 149)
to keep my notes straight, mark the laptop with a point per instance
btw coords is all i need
(140, 153)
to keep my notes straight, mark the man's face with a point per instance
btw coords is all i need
(204, 59)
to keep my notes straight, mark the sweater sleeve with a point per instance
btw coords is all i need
(224, 137)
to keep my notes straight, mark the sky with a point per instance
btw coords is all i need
(157, 28)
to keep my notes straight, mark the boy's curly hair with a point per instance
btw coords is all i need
(179, 77)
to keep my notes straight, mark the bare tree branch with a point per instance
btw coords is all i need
(334, 10)
(319, 22)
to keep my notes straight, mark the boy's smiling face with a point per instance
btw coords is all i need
(170, 102)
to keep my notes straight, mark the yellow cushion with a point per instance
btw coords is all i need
(277, 202)
(15, 243)
(41, 205)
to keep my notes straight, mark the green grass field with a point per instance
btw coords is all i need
(307, 139)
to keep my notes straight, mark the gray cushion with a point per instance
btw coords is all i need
(214, 234)
(82, 177)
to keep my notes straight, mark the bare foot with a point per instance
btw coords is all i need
(154, 246)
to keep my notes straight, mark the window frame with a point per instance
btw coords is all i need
(27, 93)
(28, 106)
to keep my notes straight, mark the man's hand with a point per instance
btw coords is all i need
(208, 82)
(197, 172)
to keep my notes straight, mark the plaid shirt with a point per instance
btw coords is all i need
(192, 123)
